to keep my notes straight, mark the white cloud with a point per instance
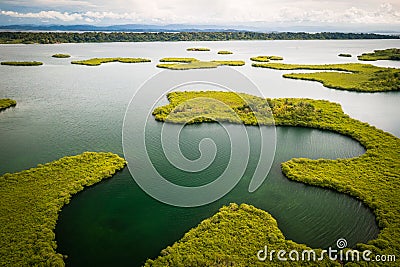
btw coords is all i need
(45, 15)
(223, 11)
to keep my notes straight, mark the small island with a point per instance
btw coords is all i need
(33, 198)
(344, 55)
(7, 103)
(61, 55)
(229, 62)
(99, 61)
(265, 58)
(386, 54)
(349, 76)
(21, 63)
(189, 66)
(193, 63)
(224, 52)
(198, 49)
(372, 177)
(178, 59)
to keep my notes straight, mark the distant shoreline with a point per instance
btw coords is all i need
(54, 37)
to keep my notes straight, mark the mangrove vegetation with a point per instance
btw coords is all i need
(21, 63)
(31, 200)
(350, 76)
(6, 103)
(192, 63)
(99, 61)
(224, 52)
(386, 54)
(265, 58)
(61, 55)
(199, 49)
(372, 178)
(9, 37)
(232, 237)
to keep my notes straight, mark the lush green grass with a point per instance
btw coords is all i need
(201, 49)
(192, 63)
(359, 77)
(344, 55)
(21, 63)
(6, 103)
(224, 52)
(265, 58)
(178, 59)
(190, 107)
(61, 56)
(232, 237)
(229, 62)
(387, 54)
(99, 61)
(373, 177)
(31, 200)
(189, 66)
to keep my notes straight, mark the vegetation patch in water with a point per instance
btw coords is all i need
(344, 55)
(265, 58)
(31, 200)
(99, 61)
(178, 59)
(190, 63)
(6, 103)
(61, 55)
(386, 54)
(224, 52)
(199, 49)
(360, 77)
(21, 63)
(231, 237)
(372, 177)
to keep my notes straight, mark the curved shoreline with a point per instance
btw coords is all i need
(371, 177)
(32, 199)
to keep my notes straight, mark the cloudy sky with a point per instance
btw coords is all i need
(363, 14)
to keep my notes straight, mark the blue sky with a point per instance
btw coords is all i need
(357, 14)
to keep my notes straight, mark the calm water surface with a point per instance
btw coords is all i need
(65, 109)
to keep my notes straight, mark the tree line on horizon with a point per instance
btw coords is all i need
(99, 37)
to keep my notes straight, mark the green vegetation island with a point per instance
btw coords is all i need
(232, 237)
(6, 103)
(188, 63)
(32, 199)
(99, 61)
(21, 63)
(265, 58)
(387, 54)
(352, 76)
(372, 178)
(224, 52)
(101, 37)
(198, 49)
(61, 55)
(344, 55)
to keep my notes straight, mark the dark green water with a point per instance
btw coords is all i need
(65, 109)
(115, 223)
